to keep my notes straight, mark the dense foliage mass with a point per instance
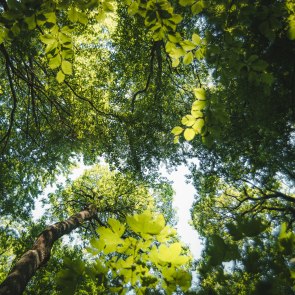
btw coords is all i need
(139, 83)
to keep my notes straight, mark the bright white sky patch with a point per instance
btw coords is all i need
(183, 199)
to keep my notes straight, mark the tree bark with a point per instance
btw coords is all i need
(39, 254)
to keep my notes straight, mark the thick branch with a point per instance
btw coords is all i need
(39, 254)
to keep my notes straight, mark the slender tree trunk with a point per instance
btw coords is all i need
(39, 254)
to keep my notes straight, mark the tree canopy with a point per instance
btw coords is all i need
(139, 83)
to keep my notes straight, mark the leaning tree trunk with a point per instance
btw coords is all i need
(39, 254)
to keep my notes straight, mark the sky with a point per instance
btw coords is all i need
(183, 199)
(182, 202)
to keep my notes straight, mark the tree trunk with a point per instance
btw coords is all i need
(39, 254)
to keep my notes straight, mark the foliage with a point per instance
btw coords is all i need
(141, 255)
(113, 79)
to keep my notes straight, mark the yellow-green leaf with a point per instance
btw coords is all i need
(196, 113)
(175, 62)
(188, 58)
(187, 45)
(198, 105)
(196, 39)
(177, 130)
(55, 62)
(189, 134)
(177, 53)
(176, 139)
(60, 77)
(188, 120)
(199, 93)
(197, 7)
(31, 22)
(198, 125)
(66, 67)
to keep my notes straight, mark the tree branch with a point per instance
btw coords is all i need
(39, 254)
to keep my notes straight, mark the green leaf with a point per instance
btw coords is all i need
(174, 38)
(55, 62)
(73, 15)
(196, 39)
(133, 8)
(188, 120)
(291, 31)
(60, 77)
(175, 62)
(48, 39)
(107, 6)
(146, 223)
(31, 22)
(169, 253)
(188, 58)
(198, 125)
(176, 140)
(197, 7)
(198, 105)
(199, 93)
(186, 2)
(170, 46)
(50, 17)
(116, 226)
(197, 114)
(187, 45)
(189, 134)
(177, 53)
(177, 130)
(176, 18)
(66, 67)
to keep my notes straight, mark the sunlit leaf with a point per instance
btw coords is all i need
(189, 134)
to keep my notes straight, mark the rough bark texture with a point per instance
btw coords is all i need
(39, 254)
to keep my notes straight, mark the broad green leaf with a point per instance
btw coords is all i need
(67, 54)
(60, 77)
(198, 126)
(82, 18)
(174, 38)
(199, 54)
(189, 134)
(48, 39)
(177, 53)
(116, 226)
(63, 38)
(55, 62)
(186, 2)
(66, 67)
(196, 39)
(50, 17)
(188, 120)
(133, 8)
(187, 45)
(107, 6)
(197, 114)
(197, 7)
(176, 18)
(31, 22)
(170, 46)
(188, 58)
(169, 253)
(177, 130)
(146, 223)
(175, 62)
(198, 105)
(199, 93)
(73, 15)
